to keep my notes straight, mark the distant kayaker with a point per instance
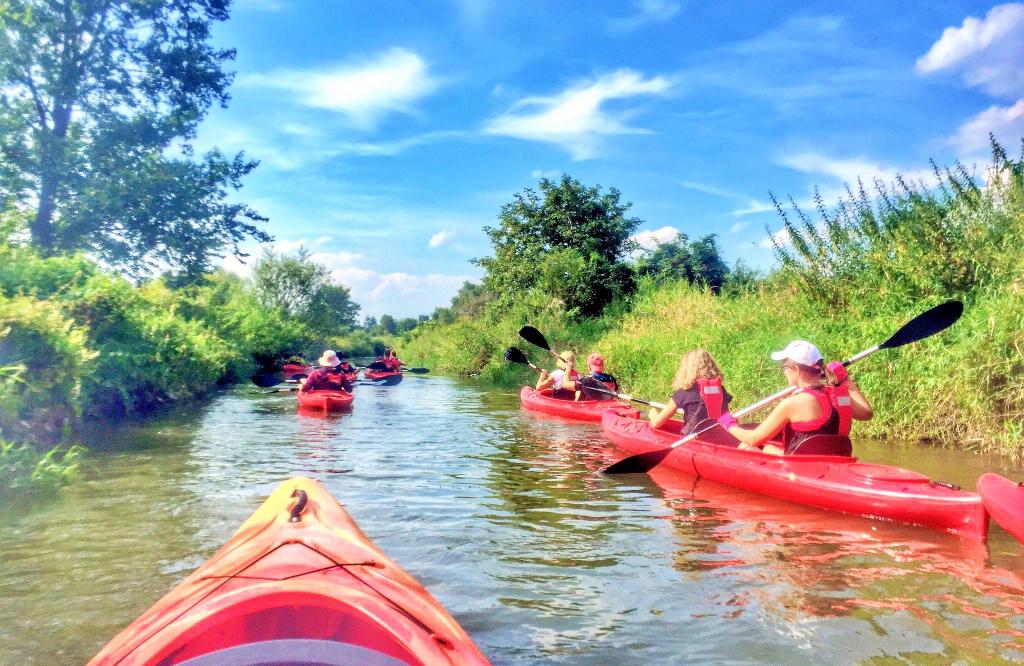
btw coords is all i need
(597, 379)
(698, 392)
(825, 402)
(390, 360)
(562, 380)
(327, 377)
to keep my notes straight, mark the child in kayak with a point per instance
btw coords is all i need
(561, 381)
(698, 392)
(327, 377)
(595, 385)
(825, 402)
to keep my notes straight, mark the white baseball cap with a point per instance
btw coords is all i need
(799, 351)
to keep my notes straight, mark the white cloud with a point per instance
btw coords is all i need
(1005, 122)
(781, 237)
(988, 52)
(738, 227)
(753, 207)
(847, 171)
(649, 240)
(440, 238)
(576, 119)
(399, 294)
(646, 11)
(364, 91)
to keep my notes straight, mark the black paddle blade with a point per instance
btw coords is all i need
(926, 324)
(594, 389)
(416, 371)
(534, 337)
(515, 355)
(266, 380)
(641, 463)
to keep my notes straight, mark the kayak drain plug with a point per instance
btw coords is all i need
(299, 507)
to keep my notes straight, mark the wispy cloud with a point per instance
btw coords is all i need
(440, 238)
(847, 171)
(645, 12)
(577, 119)
(753, 207)
(988, 52)
(1006, 123)
(737, 227)
(710, 189)
(537, 174)
(364, 91)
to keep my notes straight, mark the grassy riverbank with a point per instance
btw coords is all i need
(846, 281)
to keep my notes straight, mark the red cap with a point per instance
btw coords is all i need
(595, 362)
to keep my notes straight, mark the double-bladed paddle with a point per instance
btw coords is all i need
(926, 324)
(535, 337)
(516, 355)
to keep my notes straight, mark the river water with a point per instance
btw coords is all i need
(503, 517)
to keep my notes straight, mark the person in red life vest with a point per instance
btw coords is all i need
(562, 381)
(594, 385)
(327, 377)
(825, 402)
(697, 393)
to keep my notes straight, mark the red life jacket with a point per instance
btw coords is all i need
(836, 416)
(711, 393)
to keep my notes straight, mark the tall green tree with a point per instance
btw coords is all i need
(697, 262)
(96, 95)
(568, 241)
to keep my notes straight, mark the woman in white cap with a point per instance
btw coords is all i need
(825, 402)
(326, 377)
(561, 381)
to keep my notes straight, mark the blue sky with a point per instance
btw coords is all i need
(391, 133)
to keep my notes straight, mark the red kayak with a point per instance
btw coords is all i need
(387, 377)
(1004, 501)
(298, 583)
(292, 370)
(580, 410)
(326, 400)
(837, 483)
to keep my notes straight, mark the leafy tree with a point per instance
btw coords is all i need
(370, 322)
(565, 222)
(407, 324)
(388, 324)
(333, 309)
(679, 259)
(95, 95)
(290, 284)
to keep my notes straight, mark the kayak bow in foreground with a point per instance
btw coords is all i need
(298, 583)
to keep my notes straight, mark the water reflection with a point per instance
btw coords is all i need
(505, 517)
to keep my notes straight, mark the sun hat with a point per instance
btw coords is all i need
(595, 362)
(329, 359)
(799, 351)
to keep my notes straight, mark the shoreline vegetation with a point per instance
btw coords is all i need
(856, 270)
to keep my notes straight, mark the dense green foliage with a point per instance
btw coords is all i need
(697, 262)
(77, 342)
(846, 283)
(567, 243)
(96, 96)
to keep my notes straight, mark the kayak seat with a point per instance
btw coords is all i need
(295, 652)
(824, 445)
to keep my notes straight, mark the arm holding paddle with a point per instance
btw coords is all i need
(926, 324)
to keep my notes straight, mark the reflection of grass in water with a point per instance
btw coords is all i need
(926, 596)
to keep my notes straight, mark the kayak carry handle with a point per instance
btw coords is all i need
(299, 507)
(945, 484)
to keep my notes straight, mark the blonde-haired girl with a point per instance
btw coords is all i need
(698, 392)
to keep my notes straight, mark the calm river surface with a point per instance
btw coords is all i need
(503, 517)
